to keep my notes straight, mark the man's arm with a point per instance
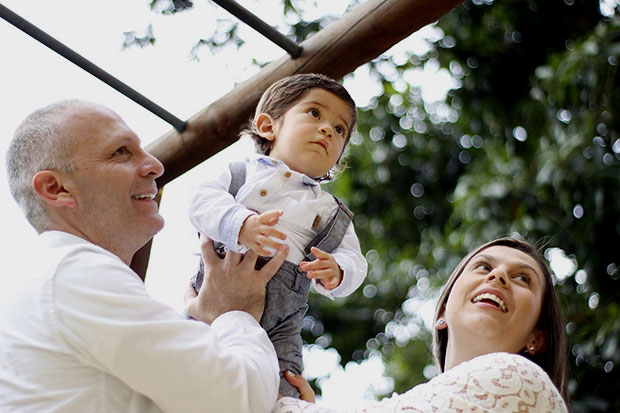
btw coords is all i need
(105, 314)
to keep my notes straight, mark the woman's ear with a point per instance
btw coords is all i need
(48, 185)
(265, 125)
(537, 342)
(441, 322)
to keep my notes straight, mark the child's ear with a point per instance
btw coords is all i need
(265, 125)
(49, 186)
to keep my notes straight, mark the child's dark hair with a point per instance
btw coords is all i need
(283, 94)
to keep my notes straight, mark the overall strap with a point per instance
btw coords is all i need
(331, 236)
(237, 173)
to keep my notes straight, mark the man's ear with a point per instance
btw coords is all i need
(48, 185)
(265, 125)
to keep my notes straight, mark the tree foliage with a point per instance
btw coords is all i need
(528, 142)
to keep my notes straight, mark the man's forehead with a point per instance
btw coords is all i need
(91, 127)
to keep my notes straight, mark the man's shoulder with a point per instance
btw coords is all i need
(63, 245)
(69, 259)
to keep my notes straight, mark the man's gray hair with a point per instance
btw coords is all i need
(38, 144)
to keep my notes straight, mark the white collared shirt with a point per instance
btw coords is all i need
(271, 185)
(79, 333)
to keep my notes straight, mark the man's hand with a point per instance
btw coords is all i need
(324, 268)
(232, 283)
(257, 232)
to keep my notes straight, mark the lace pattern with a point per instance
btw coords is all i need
(497, 382)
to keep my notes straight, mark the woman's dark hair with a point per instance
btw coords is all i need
(553, 358)
(284, 93)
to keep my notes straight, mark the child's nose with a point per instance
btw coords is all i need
(327, 130)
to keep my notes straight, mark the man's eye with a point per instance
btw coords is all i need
(121, 151)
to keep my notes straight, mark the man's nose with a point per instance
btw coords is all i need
(151, 166)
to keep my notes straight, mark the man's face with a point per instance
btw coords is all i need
(114, 182)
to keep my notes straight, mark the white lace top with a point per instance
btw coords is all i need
(496, 382)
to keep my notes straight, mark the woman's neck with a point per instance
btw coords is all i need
(455, 355)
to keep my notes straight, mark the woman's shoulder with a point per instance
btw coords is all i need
(501, 381)
(497, 382)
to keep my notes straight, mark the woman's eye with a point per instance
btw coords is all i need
(482, 266)
(523, 278)
(314, 113)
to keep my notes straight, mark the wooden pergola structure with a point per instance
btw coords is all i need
(356, 38)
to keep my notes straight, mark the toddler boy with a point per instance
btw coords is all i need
(301, 127)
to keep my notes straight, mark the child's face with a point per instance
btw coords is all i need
(311, 134)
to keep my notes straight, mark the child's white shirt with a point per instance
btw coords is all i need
(271, 185)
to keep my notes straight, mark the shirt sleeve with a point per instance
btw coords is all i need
(354, 266)
(105, 314)
(214, 212)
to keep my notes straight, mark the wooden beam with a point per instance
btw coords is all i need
(356, 38)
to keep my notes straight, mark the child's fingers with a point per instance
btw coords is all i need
(326, 274)
(320, 253)
(270, 217)
(267, 242)
(329, 281)
(272, 232)
(330, 284)
(313, 265)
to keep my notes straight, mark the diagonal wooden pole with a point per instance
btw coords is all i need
(358, 37)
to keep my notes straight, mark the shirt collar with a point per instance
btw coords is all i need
(276, 163)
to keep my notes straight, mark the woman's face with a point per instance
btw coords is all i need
(496, 302)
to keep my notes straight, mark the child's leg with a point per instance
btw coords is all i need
(285, 306)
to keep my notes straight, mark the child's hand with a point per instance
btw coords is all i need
(257, 232)
(324, 268)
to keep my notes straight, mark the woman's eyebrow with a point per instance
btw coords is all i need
(520, 265)
(484, 257)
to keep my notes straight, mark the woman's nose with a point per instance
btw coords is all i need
(498, 276)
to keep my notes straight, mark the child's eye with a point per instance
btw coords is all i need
(314, 113)
(339, 130)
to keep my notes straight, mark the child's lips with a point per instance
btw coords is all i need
(322, 143)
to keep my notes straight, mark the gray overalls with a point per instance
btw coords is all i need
(286, 298)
